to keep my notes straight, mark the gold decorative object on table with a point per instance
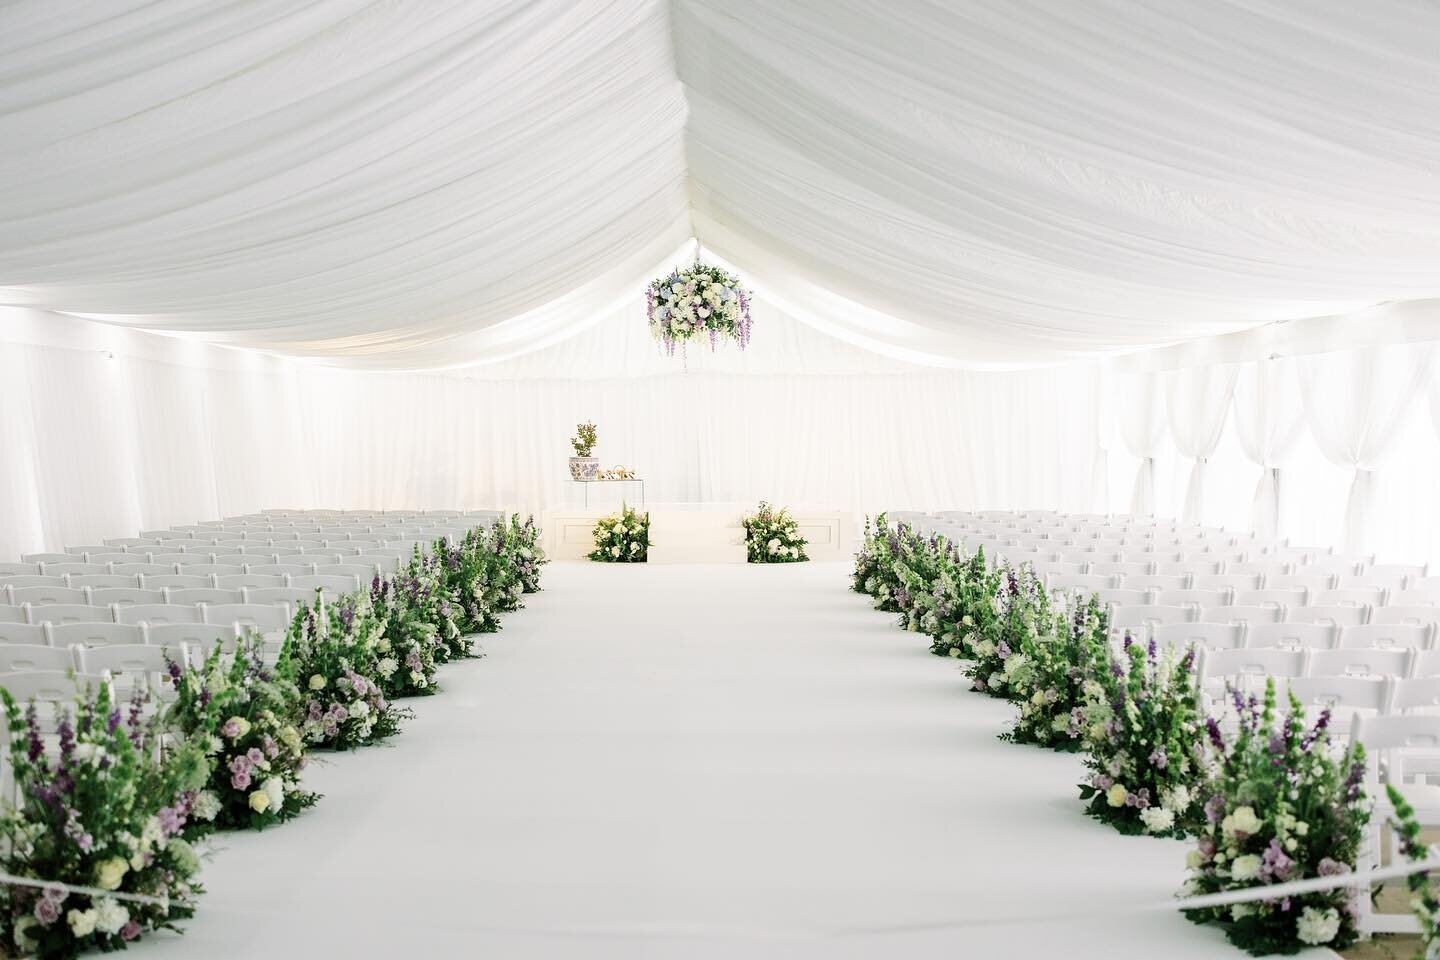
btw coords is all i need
(619, 473)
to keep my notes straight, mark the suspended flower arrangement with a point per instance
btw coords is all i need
(698, 301)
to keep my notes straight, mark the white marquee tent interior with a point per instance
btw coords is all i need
(1128, 256)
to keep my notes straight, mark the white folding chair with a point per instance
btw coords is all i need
(183, 581)
(1270, 598)
(1413, 635)
(1361, 662)
(1141, 618)
(1081, 581)
(11, 614)
(258, 616)
(22, 633)
(18, 569)
(131, 667)
(239, 581)
(43, 594)
(1155, 582)
(68, 613)
(1349, 597)
(1210, 636)
(1123, 598)
(1341, 616)
(104, 580)
(16, 657)
(192, 595)
(282, 570)
(124, 596)
(92, 634)
(1416, 597)
(189, 642)
(1230, 613)
(1408, 613)
(1194, 598)
(1232, 582)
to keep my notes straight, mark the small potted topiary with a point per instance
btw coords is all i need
(584, 466)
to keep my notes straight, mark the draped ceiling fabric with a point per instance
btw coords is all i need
(979, 183)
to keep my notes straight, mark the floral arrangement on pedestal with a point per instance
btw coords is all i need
(622, 537)
(1145, 743)
(336, 656)
(698, 301)
(104, 812)
(1424, 899)
(1285, 804)
(773, 536)
(246, 718)
(1053, 678)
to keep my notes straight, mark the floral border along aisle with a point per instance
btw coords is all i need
(773, 536)
(622, 537)
(101, 812)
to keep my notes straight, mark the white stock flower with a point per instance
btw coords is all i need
(110, 916)
(1157, 819)
(1317, 926)
(387, 667)
(1176, 799)
(275, 790)
(82, 922)
(206, 805)
(359, 709)
(1246, 867)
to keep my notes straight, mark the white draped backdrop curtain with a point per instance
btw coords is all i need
(108, 430)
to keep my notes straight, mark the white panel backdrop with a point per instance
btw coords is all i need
(107, 430)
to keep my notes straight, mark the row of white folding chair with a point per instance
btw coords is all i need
(203, 636)
(1409, 687)
(1147, 592)
(257, 606)
(1212, 635)
(121, 659)
(1135, 616)
(180, 563)
(107, 596)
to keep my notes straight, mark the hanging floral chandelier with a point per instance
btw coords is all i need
(698, 301)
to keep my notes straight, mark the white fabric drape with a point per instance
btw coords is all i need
(968, 183)
(111, 431)
(1268, 419)
(1141, 416)
(1354, 404)
(1198, 402)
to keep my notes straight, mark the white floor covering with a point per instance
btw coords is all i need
(695, 762)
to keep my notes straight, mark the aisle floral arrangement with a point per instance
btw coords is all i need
(1424, 898)
(698, 301)
(1284, 804)
(1052, 681)
(1145, 743)
(335, 655)
(998, 663)
(102, 813)
(622, 537)
(773, 536)
(875, 573)
(245, 716)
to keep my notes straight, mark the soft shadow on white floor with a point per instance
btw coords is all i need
(693, 762)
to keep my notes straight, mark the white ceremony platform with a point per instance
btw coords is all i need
(696, 532)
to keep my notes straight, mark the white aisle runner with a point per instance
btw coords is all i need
(693, 762)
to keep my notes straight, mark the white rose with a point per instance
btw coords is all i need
(615, 551)
(634, 545)
(82, 922)
(110, 916)
(773, 546)
(1242, 820)
(317, 682)
(359, 709)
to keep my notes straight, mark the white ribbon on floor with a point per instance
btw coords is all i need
(14, 881)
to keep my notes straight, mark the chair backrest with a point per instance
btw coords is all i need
(128, 542)
(1226, 581)
(104, 559)
(1362, 635)
(236, 581)
(1430, 582)
(1349, 597)
(1361, 662)
(1270, 598)
(1155, 581)
(22, 633)
(1416, 597)
(290, 596)
(52, 686)
(178, 558)
(210, 569)
(366, 571)
(227, 560)
(68, 613)
(33, 656)
(1407, 570)
(1211, 636)
(1341, 616)
(159, 613)
(1250, 662)
(125, 660)
(18, 596)
(1231, 613)
(1414, 694)
(1312, 636)
(1330, 566)
(1119, 569)
(1386, 738)
(1123, 598)
(125, 596)
(104, 580)
(92, 634)
(1408, 613)
(339, 584)
(281, 570)
(1191, 566)
(1423, 663)
(184, 581)
(1079, 581)
(16, 581)
(1148, 615)
(142, 569)
(1265, 568)
(1366, 579)
(18, 569)
(1342, 695)
(179, 638)
(189, 595)
(1196, 598)
(387, 564)
(1310, 583)
(260, 617)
